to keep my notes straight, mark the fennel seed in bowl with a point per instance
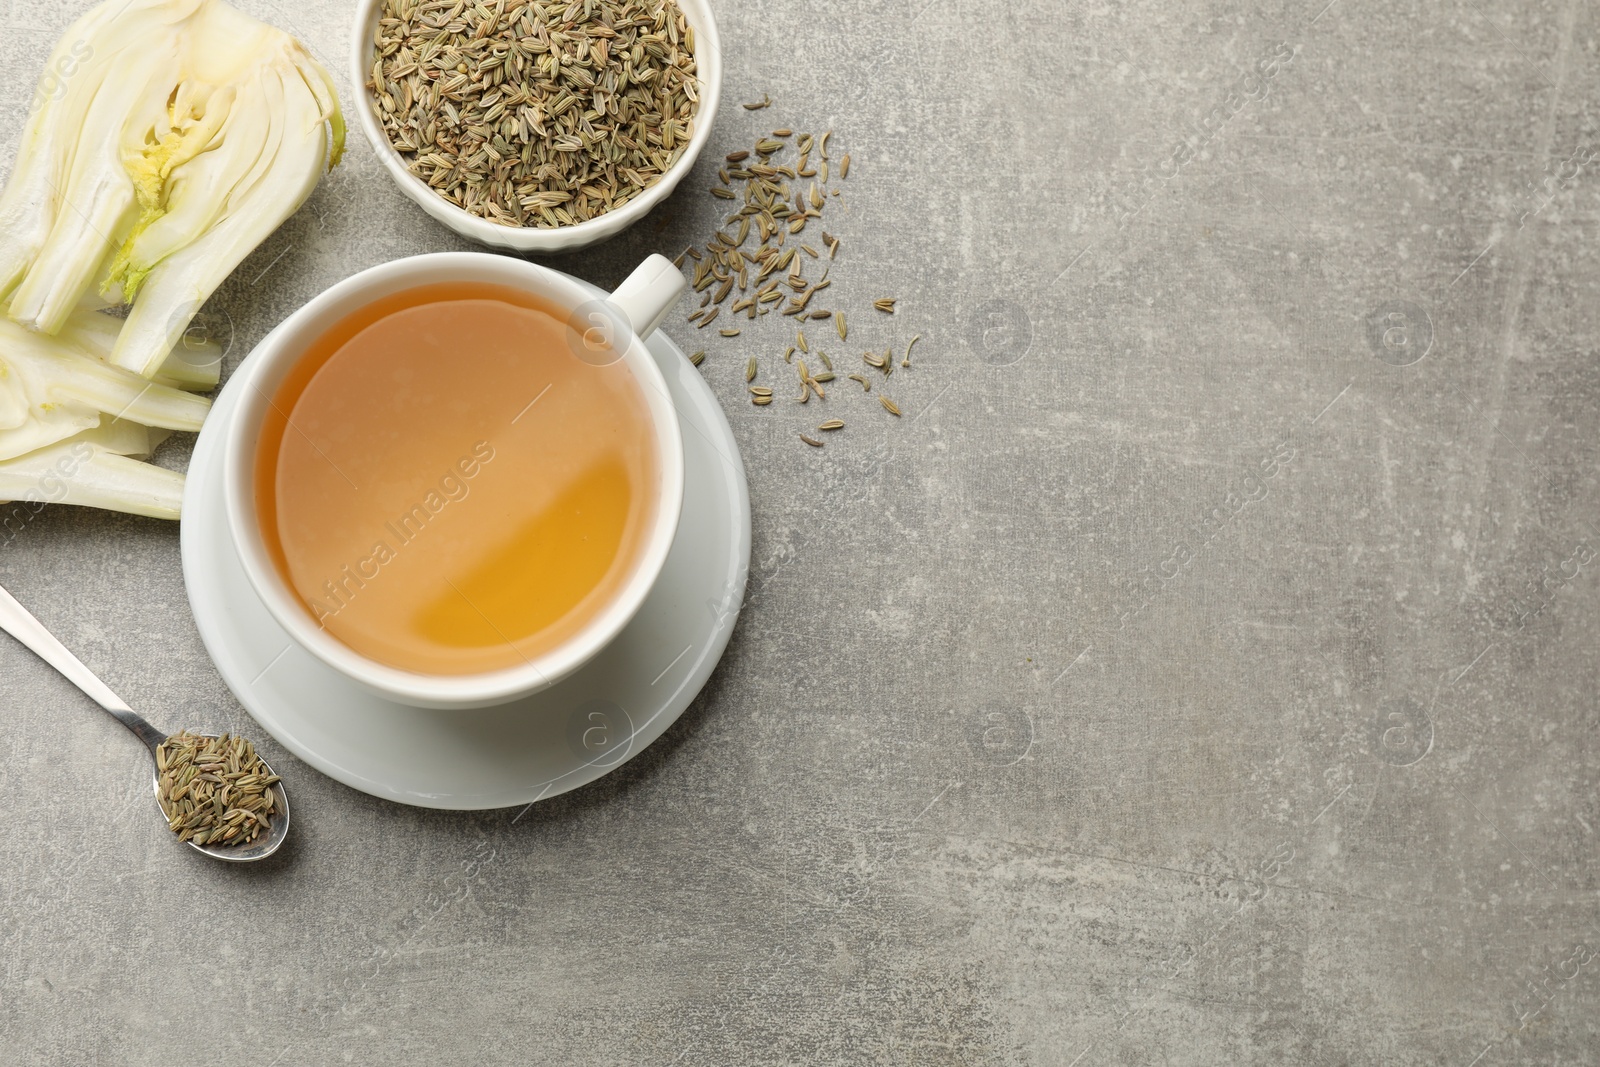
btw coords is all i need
(539, 113)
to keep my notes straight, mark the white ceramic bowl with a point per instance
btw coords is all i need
(708, 61)
(632, 312)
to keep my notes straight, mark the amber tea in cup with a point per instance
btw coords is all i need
(447, 488)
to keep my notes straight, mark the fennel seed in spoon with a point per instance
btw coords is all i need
(214, 790)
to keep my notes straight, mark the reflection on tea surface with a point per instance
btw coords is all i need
(480, 606)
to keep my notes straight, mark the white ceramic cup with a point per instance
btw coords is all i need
(537, 239)
(605, 327)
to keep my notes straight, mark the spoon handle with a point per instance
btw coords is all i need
(19, 622)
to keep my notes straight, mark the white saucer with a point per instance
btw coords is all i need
(518, 753)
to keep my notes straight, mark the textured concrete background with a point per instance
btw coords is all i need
(1202, 672)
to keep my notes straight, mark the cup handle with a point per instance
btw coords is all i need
(648, 294)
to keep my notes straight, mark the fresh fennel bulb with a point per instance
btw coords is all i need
(188, 134)
(168, 139)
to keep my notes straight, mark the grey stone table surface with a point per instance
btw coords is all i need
(1202, 671)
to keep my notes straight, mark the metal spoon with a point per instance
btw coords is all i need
(17, 621)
